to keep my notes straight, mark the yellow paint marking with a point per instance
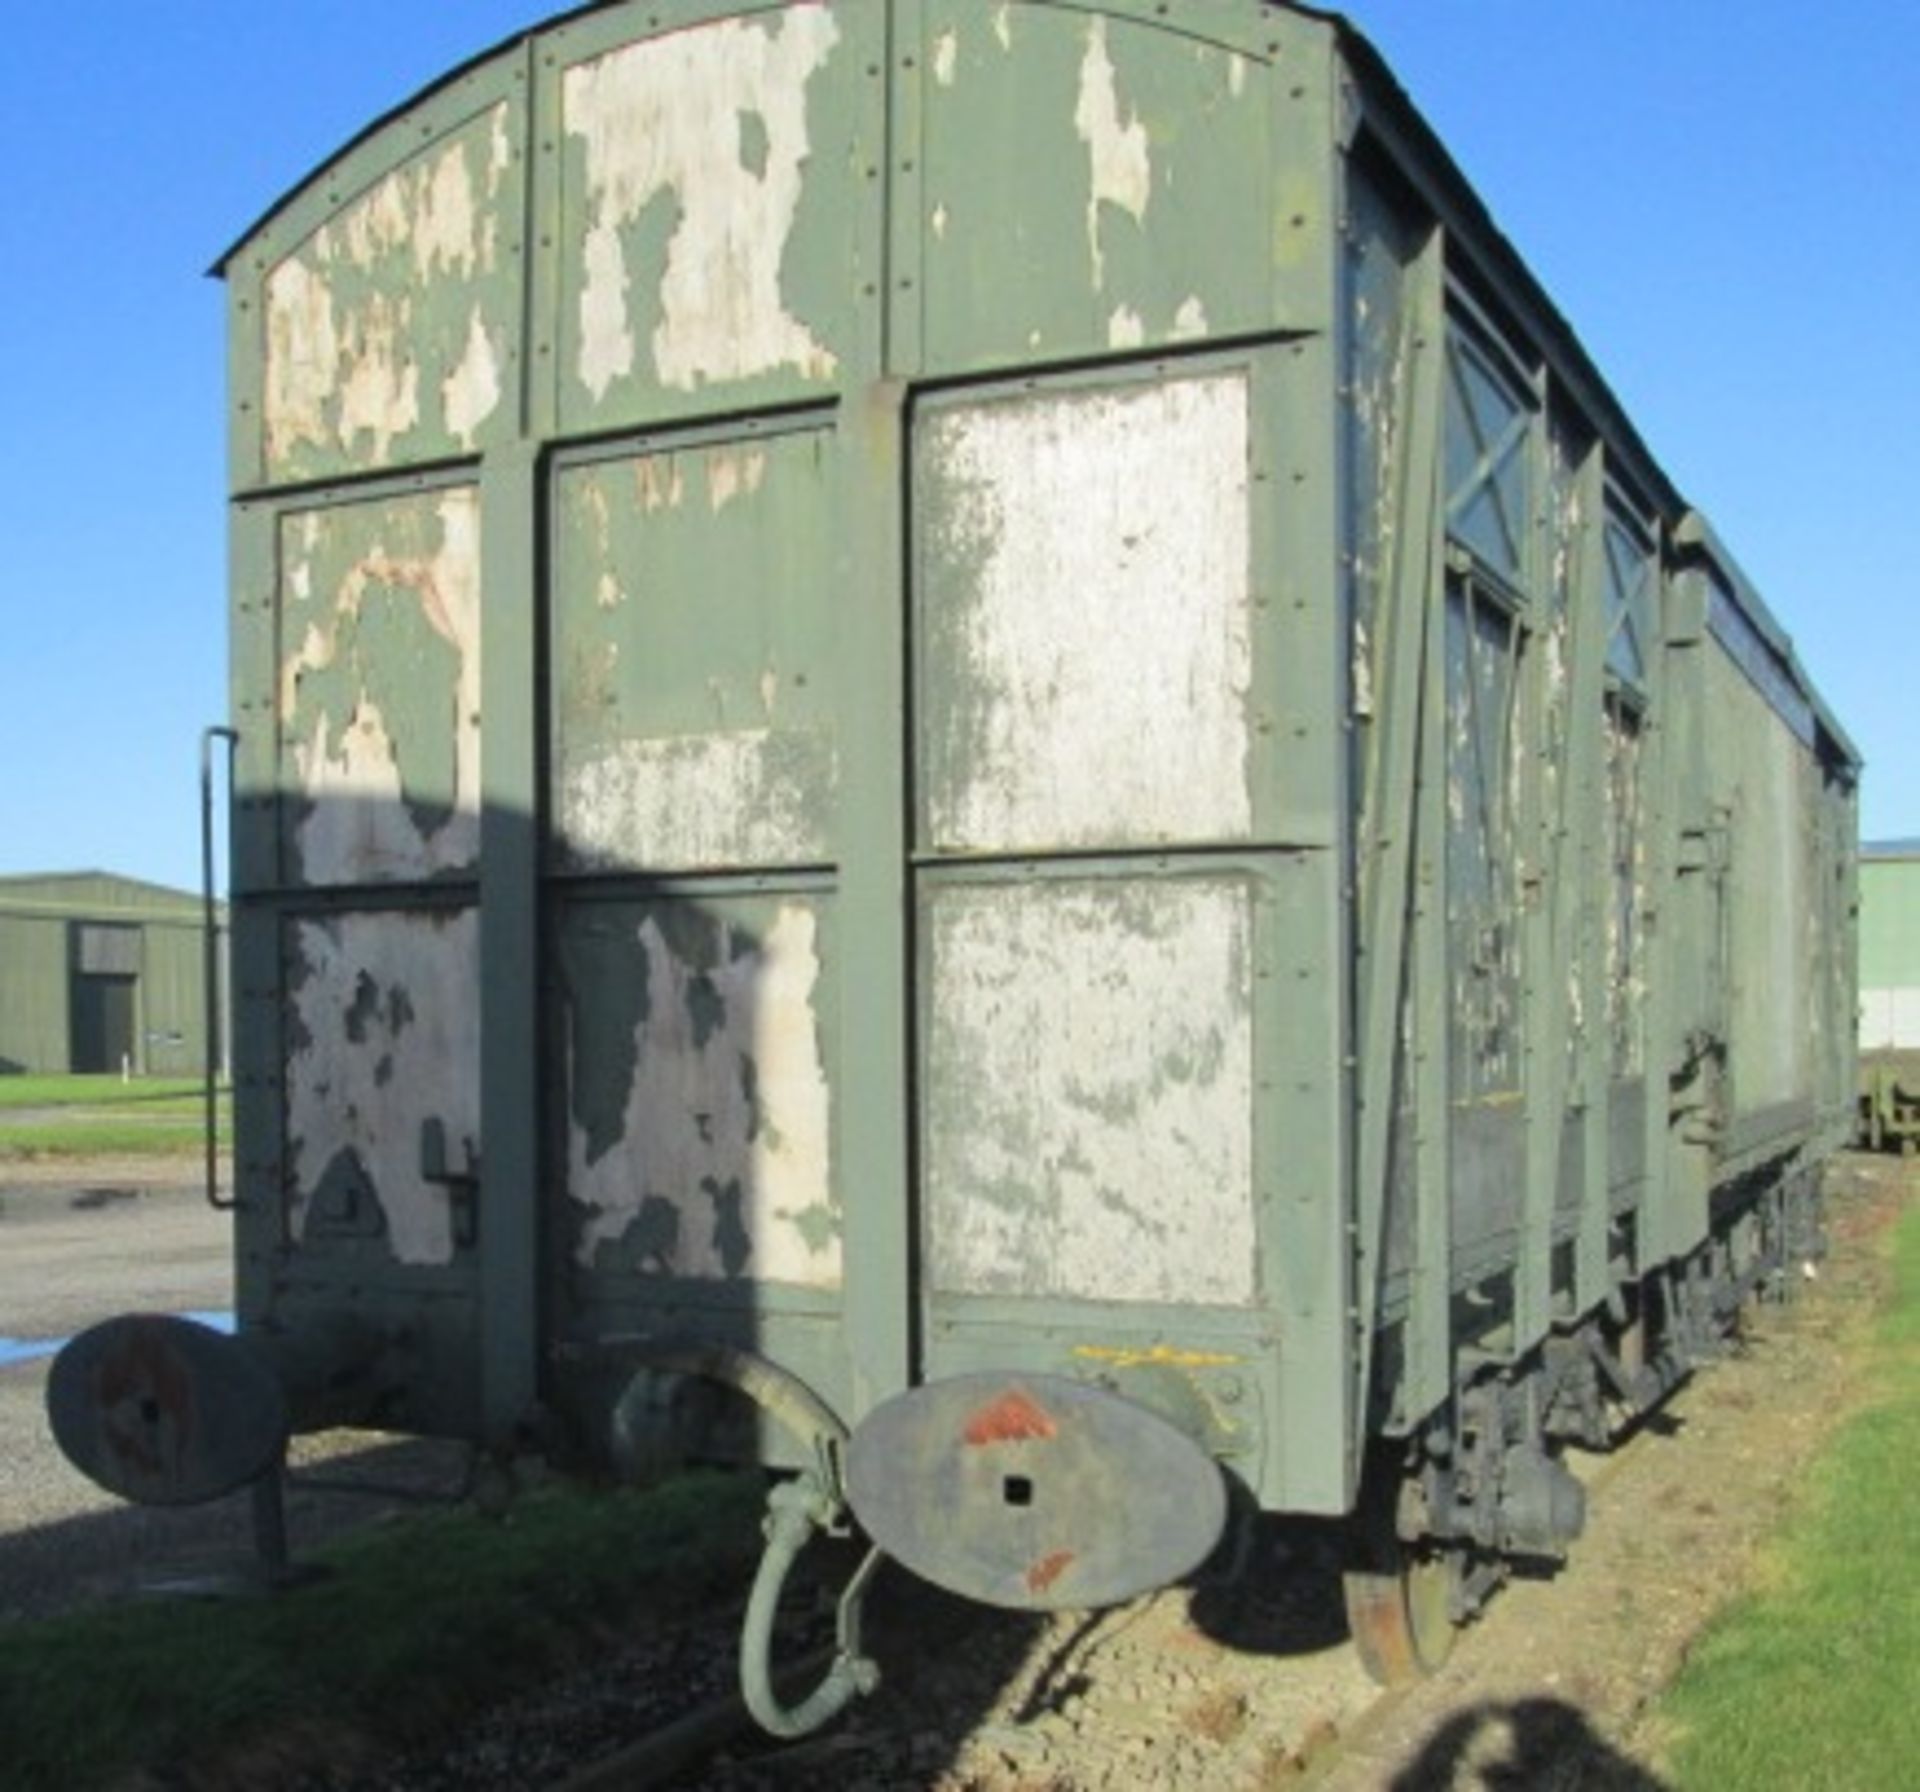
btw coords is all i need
(1158, 1355)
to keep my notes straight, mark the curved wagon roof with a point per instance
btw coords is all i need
(1373, 104)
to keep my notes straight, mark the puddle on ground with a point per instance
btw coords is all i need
(26, 1201)
(29, 1350)
(86, 1199)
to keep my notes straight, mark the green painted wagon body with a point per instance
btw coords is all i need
(933, 690)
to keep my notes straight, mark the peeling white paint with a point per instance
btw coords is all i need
(732, 472)
(1094, 551)
(1125, 328)
(357, 827)
(1120, 164)
(344, 366)
(1190, 321)
(499, 153)
(754, 796)
(744, 1106)
(1003, 24)
(430, 209)
(660, 117)
(446, 236)
(1362, 671)
(378, 222)
(303, 358)
(1090, 1099)
(358, 822)
(659, 483)
(1484, 767)
(592, 496)
(939, 222)
(946, 55)
(471, 392)
(379, 389)
(1626, 956)
(410, 984)
(606, 341)
(1236, 75)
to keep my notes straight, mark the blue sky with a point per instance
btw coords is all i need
(1721, 198)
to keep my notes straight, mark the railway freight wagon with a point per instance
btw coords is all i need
(970, 757)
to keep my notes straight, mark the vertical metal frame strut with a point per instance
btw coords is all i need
(1397, 873)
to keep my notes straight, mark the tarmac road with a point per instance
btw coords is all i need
(79, 1244)
(105, 1239)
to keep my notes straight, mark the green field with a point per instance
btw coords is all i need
(1810, 1680)
(101, 1116)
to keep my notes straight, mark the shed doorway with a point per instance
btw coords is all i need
(103, 1023)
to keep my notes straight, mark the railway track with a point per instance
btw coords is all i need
(1211, 1684)
(1245, 1678)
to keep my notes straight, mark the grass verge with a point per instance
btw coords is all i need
(100, 1116)
(420, 1623)
(92, 1091)
(1808, 1681)
(83, 1137)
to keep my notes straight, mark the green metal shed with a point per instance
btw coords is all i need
(101, 973)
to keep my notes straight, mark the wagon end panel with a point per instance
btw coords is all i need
(358, 819)
(1764, 784)
(645, 404)
(1130, 1153)
(699, 955)
(717, 774)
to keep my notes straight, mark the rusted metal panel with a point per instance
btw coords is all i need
(1069, 699)
(1073, 164)
(391, 332)
(1089, 1090)
(379, 688)
(1034, 1492)
(707, 238)
(164, 1410)
(693, 647)
(382, 1043)
(700, 1123)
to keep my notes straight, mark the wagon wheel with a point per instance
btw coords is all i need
(1399, 1595)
